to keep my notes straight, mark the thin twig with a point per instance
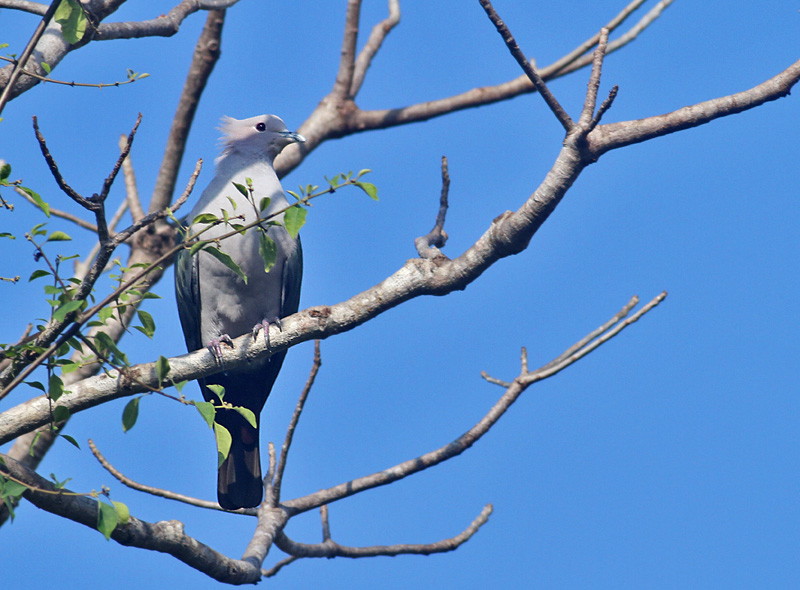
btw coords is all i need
(429, 244)
(526, 66)
(287, 443)
(373, 44)
(26, 53)
(330, 548)
(59, 213)
(590, 102)
(51, 164)
(150, 489)
(466, 440)
(132, 200)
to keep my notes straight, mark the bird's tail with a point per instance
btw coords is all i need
(239, 482)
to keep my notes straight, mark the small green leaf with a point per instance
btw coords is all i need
(293, 219)
(267, 249)
(68, 307)
(223, 443)
(8, 235)
(264, 203)
(247, 414)
(241, 188)
(5, 171)
(227, 261)
(207, 411)
(36, 385)
(38, 273)
(58, 236)
(123, 512)
(180, 385)
(56, 387)
(218, 390)
(70, 440)
(107, 519)
(130, 413)
(39, 203)
(45, 67)
(11, 489)
(60, 414)
(162, 368)
(105, 314)
(205, 218)
(70, 16)
(368, 188)
(148, 327)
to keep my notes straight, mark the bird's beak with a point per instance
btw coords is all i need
(293, 136)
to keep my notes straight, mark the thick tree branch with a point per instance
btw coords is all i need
(164, 536)
(165, 25)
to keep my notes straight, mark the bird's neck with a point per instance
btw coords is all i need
(243, 164)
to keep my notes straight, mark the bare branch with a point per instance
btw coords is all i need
(165, 25)
(59, 213)
(344, 77)
(287, 443)
(616, 135)
(165, 536)
(466, 440)
(373, 45)
(51, 164)
(530, 71)
(25, 6)
(132, 200)
(5, 96)
(150, 489)
(330, 548)
(590, 102)
(428, 245)
(206, 53)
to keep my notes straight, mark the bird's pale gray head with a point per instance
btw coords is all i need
(264, 135)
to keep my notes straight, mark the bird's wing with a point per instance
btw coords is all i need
(292, 278)
(187, 293)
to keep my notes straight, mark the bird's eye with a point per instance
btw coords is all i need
(261, 127)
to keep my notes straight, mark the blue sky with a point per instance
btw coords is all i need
(668, 458)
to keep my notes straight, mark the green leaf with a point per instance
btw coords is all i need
(70, 440)
(368, 188)
(148, 327)
(247, 414)
(107, 519)
(218, 390)
(293, 219)
(197, 246)
(36, 385)
(227, 261)
(205, 218)
(70, 16)
(107, 346)
(123, 512)
(264, 203)
(38, 201)
(5, 171)
(60, 414)
(68, 307)
(58, 236)
(130, 413)
(38, 273)
(223, 443)
(105, 314)
(11, 488)
(45, 66)
(267, 249)
(180, 385)
(241, 188)
(207, 411)
(162, 368)
(56, 387)
(8, 235)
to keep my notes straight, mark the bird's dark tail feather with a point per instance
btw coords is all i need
(239, 481)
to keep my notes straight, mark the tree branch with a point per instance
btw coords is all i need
(373, 45)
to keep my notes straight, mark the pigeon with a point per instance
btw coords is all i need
(216, 304)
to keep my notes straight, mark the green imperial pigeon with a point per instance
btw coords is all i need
(215, 304)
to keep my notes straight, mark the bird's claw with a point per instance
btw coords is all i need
(215, 346)
(264, 325)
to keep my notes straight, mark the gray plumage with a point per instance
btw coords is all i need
(215, 305)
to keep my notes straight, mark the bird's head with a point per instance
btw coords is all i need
(264, 135)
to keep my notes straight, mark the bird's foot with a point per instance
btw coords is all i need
(264, 325)
(215, 346)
